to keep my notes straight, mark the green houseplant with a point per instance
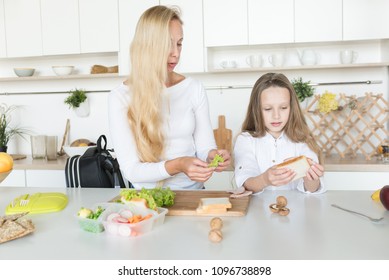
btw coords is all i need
(78, 101)
(303, 89)
(6, 130)
(76, 97)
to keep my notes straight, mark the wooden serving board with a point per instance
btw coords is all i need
(223, 136)
(186, 202)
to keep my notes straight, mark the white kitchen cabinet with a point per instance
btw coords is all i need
(221, 181)
(99, 26)
(60, 27)
(192, 55)
(3, 48)
(45, 178)
(266, 28)
(318, 21)
(23, 28)
(365, 19)
(16, 178)
(129, 14)
(225, 23)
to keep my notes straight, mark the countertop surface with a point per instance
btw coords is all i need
(331, 163)
(312, 230)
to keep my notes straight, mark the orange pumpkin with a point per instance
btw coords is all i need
(6, 162)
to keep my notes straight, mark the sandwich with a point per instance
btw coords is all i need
(299, 165)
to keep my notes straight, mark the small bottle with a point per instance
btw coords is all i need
(385, 154)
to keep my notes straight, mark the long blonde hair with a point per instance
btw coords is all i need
(296, 128)
(149, 53)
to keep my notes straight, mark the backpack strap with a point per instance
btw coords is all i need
(101, 148)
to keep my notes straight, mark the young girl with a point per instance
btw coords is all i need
(159, 119)
(275, 130)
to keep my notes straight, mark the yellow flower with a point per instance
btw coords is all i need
(327, 102)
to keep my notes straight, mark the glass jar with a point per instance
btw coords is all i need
(385, 153)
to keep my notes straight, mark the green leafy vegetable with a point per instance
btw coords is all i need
(216, 160)
(157, 197)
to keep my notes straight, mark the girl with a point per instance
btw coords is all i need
(159, 119)
(275, 130)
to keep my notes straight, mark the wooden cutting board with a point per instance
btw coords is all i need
(186, 202)
(223, 136)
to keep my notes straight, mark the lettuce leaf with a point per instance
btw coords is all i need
(216, 160)
(157, 197)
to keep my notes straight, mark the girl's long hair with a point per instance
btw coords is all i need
(296, 128)
(149, 53)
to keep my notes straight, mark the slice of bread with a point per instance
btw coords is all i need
(300, 165)
(215, 203)
(200, 210)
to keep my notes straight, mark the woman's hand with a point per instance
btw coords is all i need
(196, 169)
(224, 154)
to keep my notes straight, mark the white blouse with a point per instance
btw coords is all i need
(187, 127)
(253, 156)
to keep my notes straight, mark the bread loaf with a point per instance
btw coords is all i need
(299, 165)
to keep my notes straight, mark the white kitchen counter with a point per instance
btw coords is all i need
(313, 230)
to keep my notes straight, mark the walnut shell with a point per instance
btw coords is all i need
(274, 208)
(284, 211)
(282, 201)
(215, 235)
(216, 223)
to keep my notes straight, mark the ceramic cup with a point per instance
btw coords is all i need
(254, 60)
(309, 57)
(277, 60)
(348, 56)
(228, 64)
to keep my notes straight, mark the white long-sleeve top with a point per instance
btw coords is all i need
(253, 156)
(187, 128)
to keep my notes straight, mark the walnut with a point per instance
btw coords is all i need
(216, 223)
(215, 235)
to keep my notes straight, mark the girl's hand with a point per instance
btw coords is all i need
(278, 176)
(224, 154)
(315, 171)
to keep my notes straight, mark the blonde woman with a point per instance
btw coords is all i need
(159, 119)
(275, 130)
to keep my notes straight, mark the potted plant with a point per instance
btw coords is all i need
(303, 89)
(78, 101)
(6, 130)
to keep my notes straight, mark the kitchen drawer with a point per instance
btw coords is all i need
(16, 178)
(356, 180)
(45, 178)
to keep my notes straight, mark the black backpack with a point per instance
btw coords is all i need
(96, 168)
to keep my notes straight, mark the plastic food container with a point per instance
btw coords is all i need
(125, 229)
(93, 225)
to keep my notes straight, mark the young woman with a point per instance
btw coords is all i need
(275, 130)
(159, 119)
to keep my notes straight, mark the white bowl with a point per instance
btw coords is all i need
(24, 72)
(74, 151)
(62, 70)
